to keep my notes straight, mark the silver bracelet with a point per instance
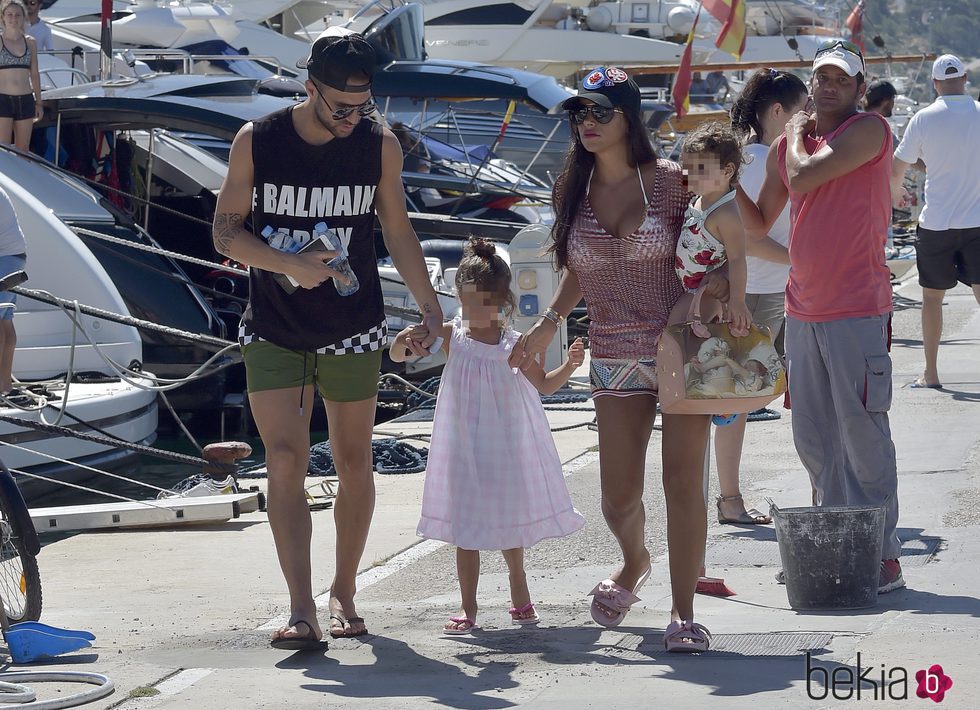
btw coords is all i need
(550, 315)
(553, 314)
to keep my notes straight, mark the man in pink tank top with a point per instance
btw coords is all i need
(835, 167)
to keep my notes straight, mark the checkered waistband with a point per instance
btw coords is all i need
(370, 340)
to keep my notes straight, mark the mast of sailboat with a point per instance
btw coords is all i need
(105, 63)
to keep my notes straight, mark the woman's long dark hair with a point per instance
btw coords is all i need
(569, 189)
(763, 89)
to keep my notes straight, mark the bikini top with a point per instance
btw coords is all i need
(9, 60)
(646, 200)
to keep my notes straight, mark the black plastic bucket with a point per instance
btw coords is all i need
(831, 556)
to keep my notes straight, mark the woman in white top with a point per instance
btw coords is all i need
(759, 116)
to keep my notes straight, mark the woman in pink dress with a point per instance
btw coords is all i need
(618, 215)
(494, 480)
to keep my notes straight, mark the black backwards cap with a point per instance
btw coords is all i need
(336, 55)
(610, 87)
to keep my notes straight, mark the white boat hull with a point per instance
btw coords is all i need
(117, 408)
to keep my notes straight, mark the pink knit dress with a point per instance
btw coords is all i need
(494, 480)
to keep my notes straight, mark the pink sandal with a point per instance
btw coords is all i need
(470, 626)
(611, 601)
(517, 615)
(686, 637)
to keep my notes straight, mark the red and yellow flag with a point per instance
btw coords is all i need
(731, 15)
(855, 23)
(681, 93)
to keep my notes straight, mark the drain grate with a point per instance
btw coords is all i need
(791, 644)
(918, 551)
(736, 552)
(733, 552)
(771, 644)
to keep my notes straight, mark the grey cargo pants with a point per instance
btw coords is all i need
(840, 378)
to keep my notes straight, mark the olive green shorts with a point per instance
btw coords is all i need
(339, 378)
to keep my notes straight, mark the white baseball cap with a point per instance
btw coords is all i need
(948, 67)
(840, 54)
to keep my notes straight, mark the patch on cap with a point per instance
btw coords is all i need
(616, 75)
(595, 79)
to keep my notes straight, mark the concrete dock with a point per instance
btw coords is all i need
(183, 616)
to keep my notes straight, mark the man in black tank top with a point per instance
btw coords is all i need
(323, 160)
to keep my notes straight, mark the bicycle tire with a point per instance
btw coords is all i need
(20, 579)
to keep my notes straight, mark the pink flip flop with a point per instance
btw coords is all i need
(611, 602)
(686, 637)
(517, 615)
(460, 620)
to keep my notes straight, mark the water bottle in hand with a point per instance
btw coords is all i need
(280, 239)
(340, 262)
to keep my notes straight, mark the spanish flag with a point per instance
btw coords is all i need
(731, 13)
(681, 92)
(855, 23)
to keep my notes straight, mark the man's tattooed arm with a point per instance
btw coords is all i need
(225, 231)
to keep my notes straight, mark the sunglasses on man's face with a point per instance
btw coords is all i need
(831, 45)
(600, 114)
(339, 114)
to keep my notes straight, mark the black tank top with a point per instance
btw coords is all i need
(296, 186)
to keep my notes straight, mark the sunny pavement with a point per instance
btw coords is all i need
(188, 610)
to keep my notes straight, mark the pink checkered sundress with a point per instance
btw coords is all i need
(494, 480)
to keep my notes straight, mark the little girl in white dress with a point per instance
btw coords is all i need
(494, 480)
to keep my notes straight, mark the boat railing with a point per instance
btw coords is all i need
(130, 55)
(74, 72)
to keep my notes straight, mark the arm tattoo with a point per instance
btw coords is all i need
(226, 224)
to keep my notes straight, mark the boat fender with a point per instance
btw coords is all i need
(599, 19)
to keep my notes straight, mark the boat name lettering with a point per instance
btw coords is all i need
(342, 201)
(457, 42)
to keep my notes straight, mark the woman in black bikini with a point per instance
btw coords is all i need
(20, 82)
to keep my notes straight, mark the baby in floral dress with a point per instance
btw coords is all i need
(712, 236)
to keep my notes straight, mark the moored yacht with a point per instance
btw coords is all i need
(63, 378)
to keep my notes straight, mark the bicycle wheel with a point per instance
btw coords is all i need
(20, 580)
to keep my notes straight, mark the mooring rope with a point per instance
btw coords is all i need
(53, 300)
(72, 432)
(389, 455)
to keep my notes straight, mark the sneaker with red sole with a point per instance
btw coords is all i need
(890, 577)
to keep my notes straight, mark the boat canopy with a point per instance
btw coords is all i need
(462, 80)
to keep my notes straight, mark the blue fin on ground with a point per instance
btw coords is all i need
(30, 641)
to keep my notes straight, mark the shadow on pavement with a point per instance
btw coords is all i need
(486, 662)
(399, 671)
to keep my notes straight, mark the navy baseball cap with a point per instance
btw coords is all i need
(610, 87)
(336, 55)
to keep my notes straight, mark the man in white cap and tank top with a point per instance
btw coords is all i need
(835, 168)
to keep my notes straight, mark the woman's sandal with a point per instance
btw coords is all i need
(517, 615)
(749, 517)
(457, 621)
(611, 602)
(341, 632)
(686, 637)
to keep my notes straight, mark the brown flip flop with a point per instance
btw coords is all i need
(343, 622)
(307, 642)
